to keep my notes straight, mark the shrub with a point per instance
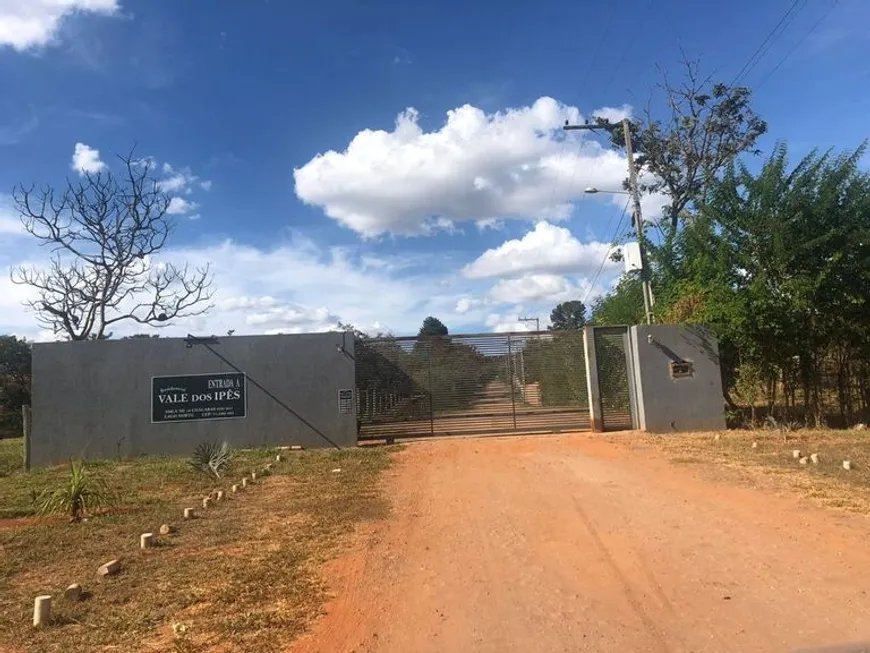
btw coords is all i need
(82, 495)
(211, 458)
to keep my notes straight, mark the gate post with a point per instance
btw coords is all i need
(595, 422)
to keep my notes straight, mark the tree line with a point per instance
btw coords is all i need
(772, 253)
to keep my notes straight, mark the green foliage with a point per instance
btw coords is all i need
(211, 458)
(14, 383)
(558, 365)
(622, 305)
(778, 262)
(568, 316)
(81, 495)
(432, 326)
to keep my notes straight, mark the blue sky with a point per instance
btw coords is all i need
(378, 162)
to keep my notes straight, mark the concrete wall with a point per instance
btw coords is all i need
(667, 404)
(93, 399)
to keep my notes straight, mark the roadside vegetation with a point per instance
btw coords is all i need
(771, 464)
(242, 576)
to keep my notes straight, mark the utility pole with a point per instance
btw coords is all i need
(536, 320)
(634, 191)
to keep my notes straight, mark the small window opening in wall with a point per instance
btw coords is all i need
(682, 369)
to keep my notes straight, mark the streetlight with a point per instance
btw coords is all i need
(634, 191)
(591, 190)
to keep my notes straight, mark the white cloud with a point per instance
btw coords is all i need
(534, 287)
(179, 180)
(10, 224)
(613, 114)
(205, 184)
(506, 323)
(86, 159)
(28, 24)
(465, 304)
(292, 287)
(476, 166)
(546, 249)
(180, 206)
(298, 286)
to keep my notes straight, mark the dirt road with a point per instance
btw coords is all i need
(570, 543)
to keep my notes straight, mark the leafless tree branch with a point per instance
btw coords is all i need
(104, 232)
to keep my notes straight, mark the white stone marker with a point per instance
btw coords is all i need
(796, 453)
(189, 513)
(73, 592)
(814, 458)
(146, 540)
(42, 611)
(847, 465)
(110, 568)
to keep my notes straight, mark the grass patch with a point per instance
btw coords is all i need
(772, 461)
(242, 576)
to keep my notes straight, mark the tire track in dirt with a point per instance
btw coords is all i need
(627, 587)
(573, 544)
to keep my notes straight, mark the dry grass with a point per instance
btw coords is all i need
(772, 464)
(241, 577)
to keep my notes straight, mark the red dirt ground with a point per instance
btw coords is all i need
(568, 543)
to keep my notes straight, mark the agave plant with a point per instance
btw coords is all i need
(211, 458)
(83, 494)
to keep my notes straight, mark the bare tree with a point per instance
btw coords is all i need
(104, 231)
(706, 125)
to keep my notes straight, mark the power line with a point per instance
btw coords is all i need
(594, 58)
(607, 253)
(798, 44)
(755, 58)
(625, 52)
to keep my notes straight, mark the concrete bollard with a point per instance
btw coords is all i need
(253, 476)
(189, 513)
(796, 453)
(278, 458)
(206, 502)
(803, 461)
(235, 489)
(245, 482)
(146, 540)
(847, 465)
(814, 458)
(73, 593)
(219, 496)
(755, 445)
(109, 569)
(42, 611)
(716, 437)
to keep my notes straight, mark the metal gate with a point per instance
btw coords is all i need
(614, 380)
(471, 384)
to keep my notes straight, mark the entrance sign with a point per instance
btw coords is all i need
(198, 397)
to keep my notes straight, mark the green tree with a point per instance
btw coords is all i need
(568, 316)
(622, 305)
(15, 361)
(778, 262)
(432, 326)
